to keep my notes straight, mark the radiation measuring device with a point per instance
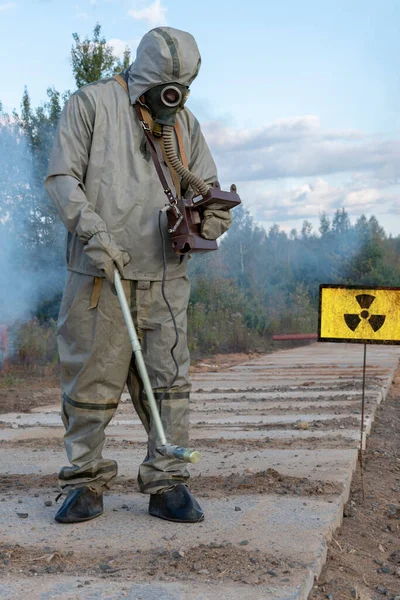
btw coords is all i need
(359, 315)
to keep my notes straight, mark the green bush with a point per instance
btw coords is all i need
(36, 343)
(220, 319)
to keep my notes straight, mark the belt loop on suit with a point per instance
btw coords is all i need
(94, 300)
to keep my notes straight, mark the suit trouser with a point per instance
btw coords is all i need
(96, 363)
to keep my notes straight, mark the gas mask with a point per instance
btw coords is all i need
(164, 101)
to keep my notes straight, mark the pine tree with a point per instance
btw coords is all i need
(93, 59)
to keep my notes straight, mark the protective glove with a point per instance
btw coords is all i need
(104, 251)
(216, 221)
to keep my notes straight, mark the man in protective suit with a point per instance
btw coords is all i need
(105, 187)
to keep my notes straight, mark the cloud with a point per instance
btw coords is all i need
(289, 205)
(154, 14)
(120, 45)
(308, 200)
(306, 127)
(294, 169)
(7, 6)
(300, 147)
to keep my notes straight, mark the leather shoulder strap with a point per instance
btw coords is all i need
(147, 131)
(122, 82)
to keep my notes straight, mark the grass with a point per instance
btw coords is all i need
(10, 380)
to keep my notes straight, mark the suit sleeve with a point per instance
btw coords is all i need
(67, 168)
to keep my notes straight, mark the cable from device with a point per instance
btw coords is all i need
(169, 308)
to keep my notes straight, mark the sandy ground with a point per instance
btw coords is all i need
(364, 555)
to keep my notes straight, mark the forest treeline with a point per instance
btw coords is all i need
(258, 283)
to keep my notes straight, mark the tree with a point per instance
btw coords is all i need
(240, 250)
(93, 59)
(324, 224)
(306, 230)
(37, 126)
(32, 236)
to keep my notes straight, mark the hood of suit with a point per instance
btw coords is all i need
(164, 55)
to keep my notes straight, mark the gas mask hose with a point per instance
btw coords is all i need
(196, 183)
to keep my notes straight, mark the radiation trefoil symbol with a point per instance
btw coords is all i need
(365, 301)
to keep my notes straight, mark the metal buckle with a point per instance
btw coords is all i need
(179, 217)
(146, 126)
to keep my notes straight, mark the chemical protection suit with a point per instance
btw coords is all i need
(105, 187)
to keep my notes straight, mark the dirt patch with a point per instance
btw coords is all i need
(269, 481)
(22, 390)
(14, 483)
(308, 443)
(23, 401)
(265, 411)
(219, 362)
(51, 443)
(211, 563)
(354, 385)
(345, 423)
(265, 400)
(364, 556)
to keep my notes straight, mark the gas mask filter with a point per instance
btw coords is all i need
(164, 101)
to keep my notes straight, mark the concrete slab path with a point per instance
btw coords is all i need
(279, 438)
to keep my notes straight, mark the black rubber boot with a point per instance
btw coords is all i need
(177, 505)
(81, 504)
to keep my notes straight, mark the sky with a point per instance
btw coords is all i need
(298, 100)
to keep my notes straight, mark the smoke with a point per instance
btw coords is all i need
(30, 240)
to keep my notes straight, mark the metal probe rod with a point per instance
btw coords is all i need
(166, 449)
(137, 349)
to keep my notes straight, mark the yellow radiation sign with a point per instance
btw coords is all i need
(364, 315)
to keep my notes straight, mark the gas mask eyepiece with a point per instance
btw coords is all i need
(171, 96)
(164, 101)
